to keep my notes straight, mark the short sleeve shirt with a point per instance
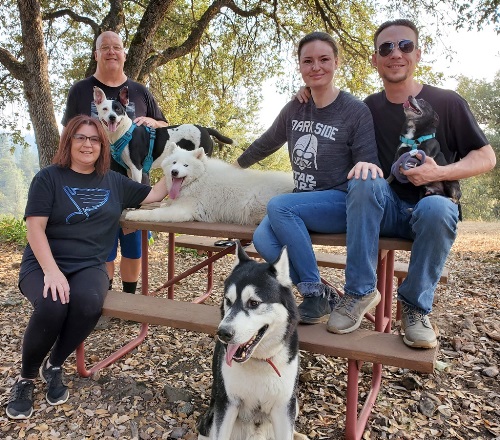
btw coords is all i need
(83, 213)
(458, 132)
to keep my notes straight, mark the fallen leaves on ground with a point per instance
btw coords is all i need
(160, 389)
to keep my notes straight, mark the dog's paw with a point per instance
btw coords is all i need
(134, 214)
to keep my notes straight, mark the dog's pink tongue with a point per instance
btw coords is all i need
(230, 350)
(175, 188)
(112, 126)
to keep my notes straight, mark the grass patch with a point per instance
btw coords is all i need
(13, 231)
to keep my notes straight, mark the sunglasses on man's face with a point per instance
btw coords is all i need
(405, 46)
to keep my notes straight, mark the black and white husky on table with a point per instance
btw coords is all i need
(256, 360)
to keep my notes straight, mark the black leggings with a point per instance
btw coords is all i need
(61, 327)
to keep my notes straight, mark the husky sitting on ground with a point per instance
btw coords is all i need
(418, 135)
(256, 359)
(211, 190)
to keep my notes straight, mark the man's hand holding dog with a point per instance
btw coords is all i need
(149, 122)
(426, 173)
(363, 169)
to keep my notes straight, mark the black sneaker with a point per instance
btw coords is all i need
(20, 405)
(57, 392)
(313, 308)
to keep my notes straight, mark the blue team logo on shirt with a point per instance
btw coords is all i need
(85, 200)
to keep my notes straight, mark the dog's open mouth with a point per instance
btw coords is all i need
(112, 126)
(411, 105)
(175, 189)
(241, 353)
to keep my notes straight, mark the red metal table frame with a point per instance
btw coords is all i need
(355, 423)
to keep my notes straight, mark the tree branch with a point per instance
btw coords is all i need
(140, 47)
(74, 16)
(113, 21)
(15, 67)
(194, 37)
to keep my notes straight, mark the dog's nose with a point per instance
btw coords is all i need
(174, 173)
(112, 118)
(225, 334)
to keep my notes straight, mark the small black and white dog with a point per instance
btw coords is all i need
(418, 135)
(138, 149)
(256, 360)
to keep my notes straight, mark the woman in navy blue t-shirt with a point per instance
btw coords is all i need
(72, 216)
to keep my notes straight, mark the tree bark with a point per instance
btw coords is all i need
(35, 78)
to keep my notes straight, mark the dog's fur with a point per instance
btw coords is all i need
(116, 122)
(210, 190)
(256, 359)
(421, 120)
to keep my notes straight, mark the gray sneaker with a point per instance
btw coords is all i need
(348, 313)
(418, 329)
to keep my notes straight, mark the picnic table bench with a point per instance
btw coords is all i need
(378, 346)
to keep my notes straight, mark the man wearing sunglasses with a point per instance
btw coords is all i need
(143, 109)
(376, 208)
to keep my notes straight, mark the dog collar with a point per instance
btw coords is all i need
(270, 362)
(416, 142)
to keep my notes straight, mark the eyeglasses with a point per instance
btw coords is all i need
(107, 48)
(405, 46)
(81, 138)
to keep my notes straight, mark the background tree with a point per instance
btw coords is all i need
(481, 198)
(13, 182)
(206, 59)
(32, 73)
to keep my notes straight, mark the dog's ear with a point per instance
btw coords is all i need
(199, 153)
(123, 96)
(282, 267)
(241, 255)
(99, 96)
(170, 148)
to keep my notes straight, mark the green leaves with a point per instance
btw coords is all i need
(481, 200)
(13, 230)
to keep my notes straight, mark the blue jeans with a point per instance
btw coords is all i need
(290, 218)
(374, 209)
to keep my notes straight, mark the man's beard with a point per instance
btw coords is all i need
(396, 79)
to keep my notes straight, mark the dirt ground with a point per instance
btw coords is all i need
(159, 390)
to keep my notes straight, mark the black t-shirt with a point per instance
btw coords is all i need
(458, 132)
(83, 211)
(81, 100)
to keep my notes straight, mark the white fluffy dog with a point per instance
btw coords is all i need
(211, 190)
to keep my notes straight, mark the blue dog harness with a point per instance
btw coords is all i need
(414, 143)
(118, 147)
